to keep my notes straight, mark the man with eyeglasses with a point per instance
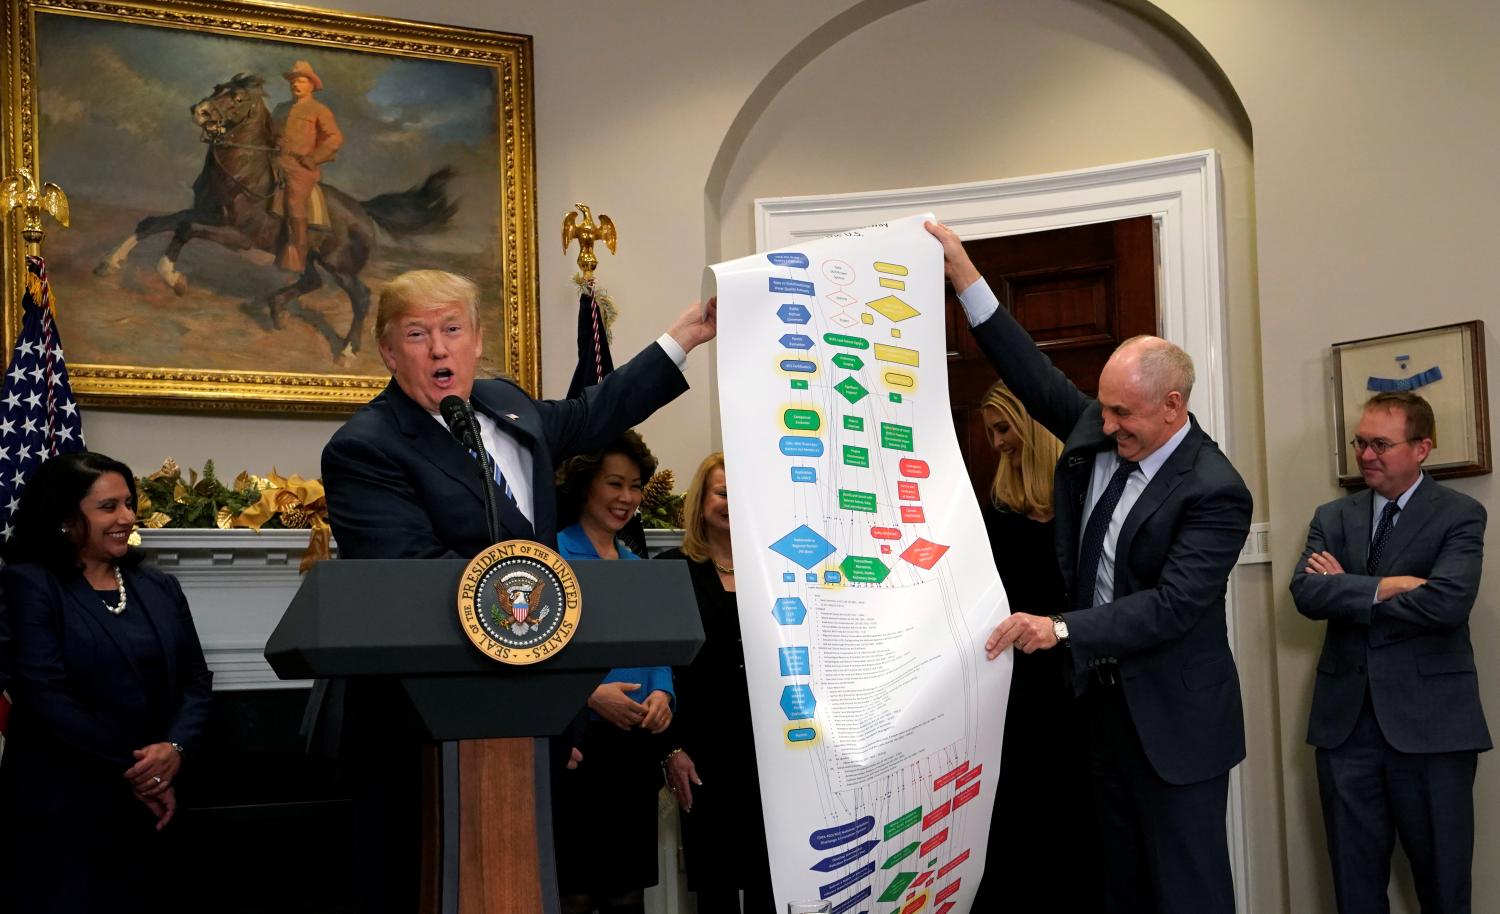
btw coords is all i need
(1394, 570)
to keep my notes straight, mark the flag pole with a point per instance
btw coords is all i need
(596, 309)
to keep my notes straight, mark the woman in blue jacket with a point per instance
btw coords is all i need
(608, 867)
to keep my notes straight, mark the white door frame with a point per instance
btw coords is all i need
(1183, 196)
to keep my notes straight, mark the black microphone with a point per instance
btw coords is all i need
(458, 415)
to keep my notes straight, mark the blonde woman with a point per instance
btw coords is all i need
(711, 765)
(1049, 822)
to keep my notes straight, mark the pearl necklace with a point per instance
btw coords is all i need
(117, 608)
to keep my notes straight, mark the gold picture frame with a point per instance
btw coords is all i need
(1446, 366)
(97, 99)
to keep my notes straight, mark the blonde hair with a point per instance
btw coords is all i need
(424, 290)
(1023, 481)
(694, 537)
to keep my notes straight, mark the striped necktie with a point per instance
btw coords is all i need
(499, 476)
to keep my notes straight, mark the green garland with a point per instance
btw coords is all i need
(165, 499)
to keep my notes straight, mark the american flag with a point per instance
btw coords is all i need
(38, 416)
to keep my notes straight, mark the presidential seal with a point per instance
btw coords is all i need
(519, 602)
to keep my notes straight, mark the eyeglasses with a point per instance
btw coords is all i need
(1378, 445)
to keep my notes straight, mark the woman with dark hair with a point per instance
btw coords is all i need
(1049, 819)
(608, 867)
(111, 695)
(712, 732)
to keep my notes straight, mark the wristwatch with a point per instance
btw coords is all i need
(1060, 629)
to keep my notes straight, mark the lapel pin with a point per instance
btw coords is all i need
(512, 416)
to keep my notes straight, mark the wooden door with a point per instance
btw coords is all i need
(1079, 292)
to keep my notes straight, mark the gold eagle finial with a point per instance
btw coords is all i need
(20, 191)
(586, 233)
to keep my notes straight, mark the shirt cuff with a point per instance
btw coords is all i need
(674, 351)
(979, 302)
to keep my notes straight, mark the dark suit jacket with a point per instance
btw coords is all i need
(1166, 625)
(400, 486)
(1411, 651)
(81, 705)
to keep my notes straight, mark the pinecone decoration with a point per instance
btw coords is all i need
(658, 489)
(659, 507)
(296, 517)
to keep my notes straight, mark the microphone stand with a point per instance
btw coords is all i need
(490, 511)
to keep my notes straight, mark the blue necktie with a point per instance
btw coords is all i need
(1092, 548)
(1382, 533)
(499, 476)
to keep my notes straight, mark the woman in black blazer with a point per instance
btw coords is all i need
(111, 696)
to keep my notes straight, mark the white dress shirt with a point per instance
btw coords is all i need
(1105, 463)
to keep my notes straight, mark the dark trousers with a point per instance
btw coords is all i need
(383, 764)
(1166, 846)
(1372, 792)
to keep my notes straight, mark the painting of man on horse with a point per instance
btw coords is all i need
(288, 274)
(248, 163)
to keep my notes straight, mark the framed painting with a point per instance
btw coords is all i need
(1443, 364)
(230, 238)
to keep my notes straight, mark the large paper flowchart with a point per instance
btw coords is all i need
(866, 585)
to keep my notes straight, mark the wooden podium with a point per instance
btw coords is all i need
(487, 832)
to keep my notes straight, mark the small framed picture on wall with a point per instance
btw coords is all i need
(1445, 365)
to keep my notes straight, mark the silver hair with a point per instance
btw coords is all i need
(1163, 366)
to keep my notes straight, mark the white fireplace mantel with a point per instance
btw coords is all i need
(238, 583)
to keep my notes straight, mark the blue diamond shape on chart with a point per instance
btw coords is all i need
(803, 546)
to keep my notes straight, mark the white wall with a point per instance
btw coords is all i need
(1374, 196)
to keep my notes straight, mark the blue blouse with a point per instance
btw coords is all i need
(574, 545)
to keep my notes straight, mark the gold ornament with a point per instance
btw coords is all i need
(169, 469)
(586, 233)
(20, 191)
(301, 504)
